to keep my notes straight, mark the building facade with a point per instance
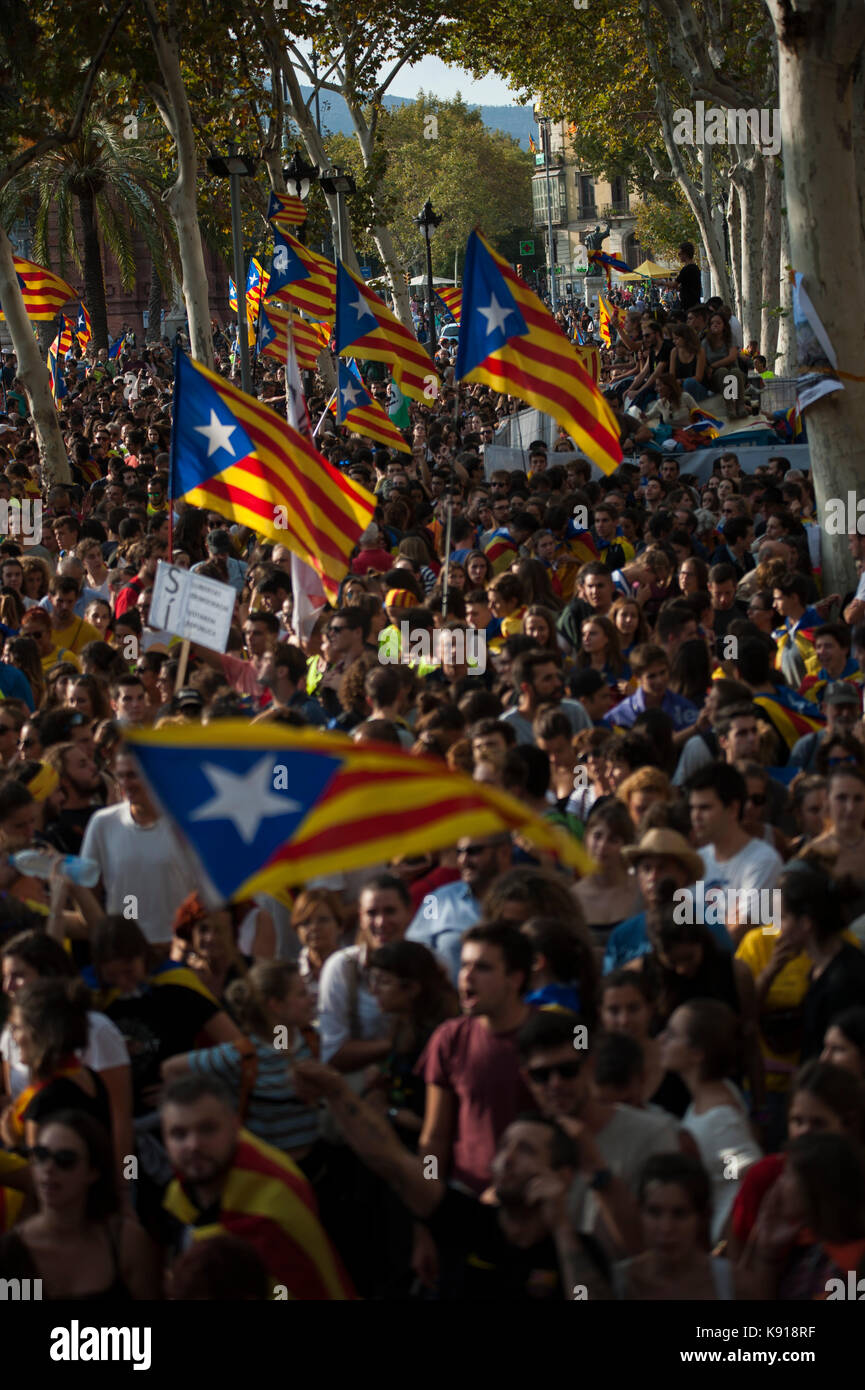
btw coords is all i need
(580, 202)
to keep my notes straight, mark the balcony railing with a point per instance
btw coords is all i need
(616, 210)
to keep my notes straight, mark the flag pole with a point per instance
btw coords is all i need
(324, 413)
(448, 528)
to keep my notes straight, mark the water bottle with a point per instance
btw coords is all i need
(37, 864)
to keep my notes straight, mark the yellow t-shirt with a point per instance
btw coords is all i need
(59, 654)
(75, 635)
(786, 991)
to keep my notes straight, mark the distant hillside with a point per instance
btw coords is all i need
(512, 120)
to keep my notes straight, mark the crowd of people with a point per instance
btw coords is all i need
(464, 1074)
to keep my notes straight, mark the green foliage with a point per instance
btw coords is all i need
(661, 224)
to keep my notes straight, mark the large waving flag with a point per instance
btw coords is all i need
(511, 342)
(285, 210)
(302, 277)
(83, 330)
(453, 302)
(44, 292)
(275, 323)
(366, 328)
(233, 454)
(256, 286)
(359, 412)
(602, 260)
(265, 806)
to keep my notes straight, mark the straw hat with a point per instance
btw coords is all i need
(671, 845)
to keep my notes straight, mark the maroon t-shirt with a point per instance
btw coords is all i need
(482, 1068)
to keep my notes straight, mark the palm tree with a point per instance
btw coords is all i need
(112, 180)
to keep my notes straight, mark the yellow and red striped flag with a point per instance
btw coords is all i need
(590, 357)
(344, 805)
(44, 292)
(256, 288)
(302, 277)
(83, 330)
(273, 330)
(355, 408)
(233, 454)
(286, 211)
(367, 329)
(605, 322)
(509, 341)
(453, 301)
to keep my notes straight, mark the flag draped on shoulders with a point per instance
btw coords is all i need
(791, 714)
(511, 342)
(44, 292)
(366, 329)
(265, 806)
(232, 453)
(267, 1202)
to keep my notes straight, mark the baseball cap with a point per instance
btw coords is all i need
(841, 693)
(188, 695)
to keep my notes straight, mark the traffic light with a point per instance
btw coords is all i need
(520, 271)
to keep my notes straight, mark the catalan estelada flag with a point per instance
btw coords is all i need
(453, 302)
(301, 277)
(509, 341)
(44, 292)
(256, 287)
(233, 454)
(58, 384)
(83, 330)
(791, 714)
(268, 1203)
(356, 409)
(605, 322)
(793, 418)
(532, 146)
(366, 328)
(602, 260)
(265, 806)
(285, 210)
(276, 321)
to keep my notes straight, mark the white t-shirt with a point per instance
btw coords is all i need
(105, 1048)
(757, 866)
(347, 1012)
(727, 1150)
(144, 869)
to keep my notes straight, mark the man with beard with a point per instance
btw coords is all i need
(520, 1243)
(537, 680)
(82, 793)
(229, 1182)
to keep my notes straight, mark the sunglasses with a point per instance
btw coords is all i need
(566, 1070)
(332, 631)
(64, 1159)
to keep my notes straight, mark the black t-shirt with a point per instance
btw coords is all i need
(479, 1264)
(66, 831)
(161, 1022)
(841, 986)
(690, 283)
(62, 1093)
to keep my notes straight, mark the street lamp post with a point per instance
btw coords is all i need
(299, 177)
(427, 221)
(234, 167)
(544, 131)
(336, 182)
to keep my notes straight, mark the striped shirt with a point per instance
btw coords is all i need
(274, 1113)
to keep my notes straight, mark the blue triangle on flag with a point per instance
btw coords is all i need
(490, 315)
(206, 437)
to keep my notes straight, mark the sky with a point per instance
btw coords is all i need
(433, 75)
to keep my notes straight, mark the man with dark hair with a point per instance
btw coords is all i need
(285, 677)
(722, 591)
(69, 634)
(738, 535)
(129, 701)
(83, 793)
(594, 595)
(231, 1182)
(616, 1140)
(470, 1064)
(731, 857)
(795, 636)
(537, 680)
(688, 283)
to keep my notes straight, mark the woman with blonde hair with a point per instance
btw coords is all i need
(274, 1009)
(317, 919)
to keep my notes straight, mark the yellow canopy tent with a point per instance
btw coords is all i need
(649, 270)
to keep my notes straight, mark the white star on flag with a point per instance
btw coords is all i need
(496, 315)
(218, 435)
(361, 308)
(246, 800)
(350, 394)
